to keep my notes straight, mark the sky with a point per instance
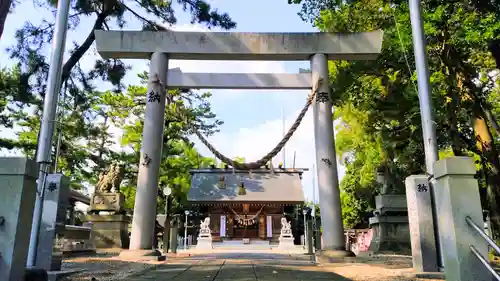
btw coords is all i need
(253, 120)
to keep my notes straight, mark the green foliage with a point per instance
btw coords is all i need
(87, 143)
(90, 120)
(377, 100)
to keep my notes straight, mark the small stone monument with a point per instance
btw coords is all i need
(205, 236)
(109, 229)
(286, 237)
(391, 232)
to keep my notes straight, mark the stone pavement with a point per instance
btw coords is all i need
(264, 267)
(232, 266)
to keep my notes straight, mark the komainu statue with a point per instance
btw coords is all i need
(205, 225)
(111, 179)
(285, 226)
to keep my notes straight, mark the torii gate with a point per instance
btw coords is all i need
(160, 46)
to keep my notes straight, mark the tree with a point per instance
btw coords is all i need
(88, 146)
(4, 11)
(87, 114)
(187, 110)
(34, 38)
(459, 36)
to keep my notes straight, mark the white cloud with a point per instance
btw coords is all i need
(254, 142)
(211, 66)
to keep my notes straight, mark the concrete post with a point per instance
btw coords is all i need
(420, 219)
(326, 162)
(317, 236)
(309, 237)
(457, 196)
(55, 205)
(18, 189)
(143, 222)
(174, 229)
(166, 234)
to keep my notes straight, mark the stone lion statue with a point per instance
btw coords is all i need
(205, 224)
(285, 225)
(111, 179)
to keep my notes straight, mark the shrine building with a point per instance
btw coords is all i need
(246, 205)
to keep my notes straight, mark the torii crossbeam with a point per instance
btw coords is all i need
(238, 45)
(238, 81)
(160, 46)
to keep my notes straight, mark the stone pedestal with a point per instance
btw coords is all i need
(108, 202)
(390, 225)
(286, 243)
(204, 243)
(55, 204)
(457, 197)
(286, 239)
(204, 240)
(18, 192)
(109, 231)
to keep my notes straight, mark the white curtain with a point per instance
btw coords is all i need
(269, 227)
(222, 226)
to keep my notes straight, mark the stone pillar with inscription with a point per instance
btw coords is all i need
(423, 242)
(326, 163)
(143, 221)
(55, 206)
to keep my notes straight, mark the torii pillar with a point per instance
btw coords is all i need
(326, 163)
(164, 45)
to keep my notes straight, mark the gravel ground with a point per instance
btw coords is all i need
(385, 268)
(378, 268)
(103, 268)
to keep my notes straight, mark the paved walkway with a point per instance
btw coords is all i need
(263, 267)
(241, 267)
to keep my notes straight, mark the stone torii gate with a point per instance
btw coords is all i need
(160, 46)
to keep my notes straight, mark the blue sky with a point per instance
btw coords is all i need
(253, 119)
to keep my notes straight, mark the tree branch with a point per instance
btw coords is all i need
(80, 51)
(4, 11)
(490, 117)
(158, 27)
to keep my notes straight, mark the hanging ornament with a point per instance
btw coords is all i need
(241, 189)
(222, 182)
(243, 219)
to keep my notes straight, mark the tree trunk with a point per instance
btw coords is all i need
(4, 11)
(485, 144)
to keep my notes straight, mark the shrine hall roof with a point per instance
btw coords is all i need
(261, 187)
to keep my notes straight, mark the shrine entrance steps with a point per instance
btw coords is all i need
(241, 244)
(238, 246)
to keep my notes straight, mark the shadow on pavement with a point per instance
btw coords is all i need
(223, 270)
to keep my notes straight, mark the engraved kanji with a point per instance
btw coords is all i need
(322, 97)
(327, 161)
(52, 186)
(422, 188)
(153, 97)
(146, 160)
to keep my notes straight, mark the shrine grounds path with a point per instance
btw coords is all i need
(256, 266)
